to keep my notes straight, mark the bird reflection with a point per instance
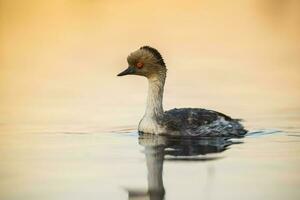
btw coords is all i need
(162, 148)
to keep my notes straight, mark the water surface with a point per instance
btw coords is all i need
(115, 165)
(68, 124)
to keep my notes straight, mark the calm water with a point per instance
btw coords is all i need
(68, 124)
(118, 164)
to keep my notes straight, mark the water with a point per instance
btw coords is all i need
(115, 165)
(68, 124)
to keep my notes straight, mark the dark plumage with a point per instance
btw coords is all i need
(148, 62)
(155, 53)
(200, 122)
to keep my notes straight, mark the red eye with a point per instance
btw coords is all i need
(139, 65)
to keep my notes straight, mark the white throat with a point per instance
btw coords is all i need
(155, 96)
(154, 109)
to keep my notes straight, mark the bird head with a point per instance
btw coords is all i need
(146, 61)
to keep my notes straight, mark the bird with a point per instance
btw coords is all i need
(191, 122)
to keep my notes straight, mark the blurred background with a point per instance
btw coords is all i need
(59, 59)
(68, 123)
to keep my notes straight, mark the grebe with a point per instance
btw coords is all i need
(148, 62)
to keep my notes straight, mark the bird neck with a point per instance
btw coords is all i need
(154, 107)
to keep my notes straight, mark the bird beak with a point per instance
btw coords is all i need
(129, 70)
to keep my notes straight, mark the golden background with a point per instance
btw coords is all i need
(59, 58)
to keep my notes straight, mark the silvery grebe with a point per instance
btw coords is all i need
(148, 62)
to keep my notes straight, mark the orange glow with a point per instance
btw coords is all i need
(65, 54)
